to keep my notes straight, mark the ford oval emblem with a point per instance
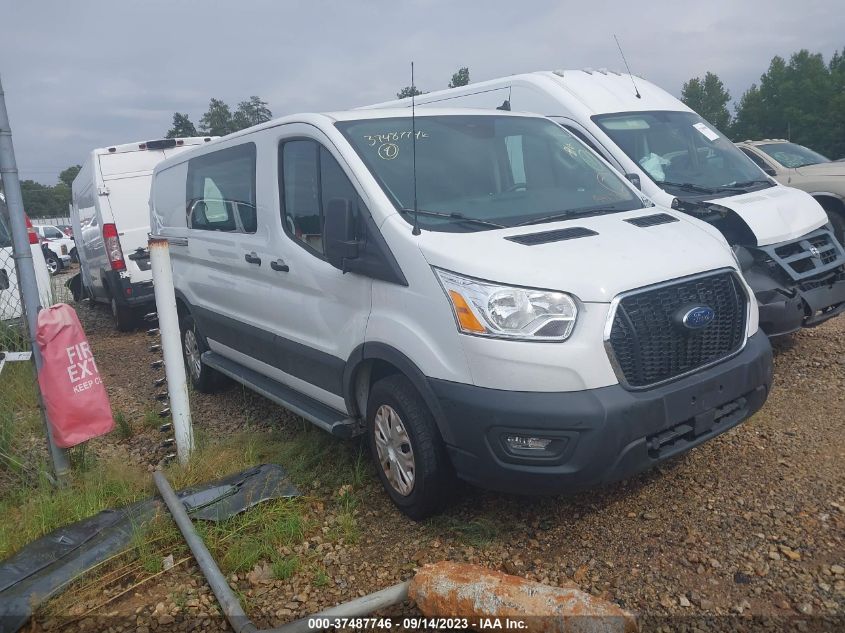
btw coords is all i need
(698, 317)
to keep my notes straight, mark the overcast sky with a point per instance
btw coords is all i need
(92, 73)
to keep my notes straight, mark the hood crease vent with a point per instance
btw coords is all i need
(645, 221)
(546, 237)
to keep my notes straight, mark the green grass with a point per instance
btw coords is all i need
(285, 567)
(475, 532)
(124, 429)
(321, 578)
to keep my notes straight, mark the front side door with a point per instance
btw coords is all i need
(322, 312)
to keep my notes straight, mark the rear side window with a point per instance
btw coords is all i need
(309, 179)
(221, 190)
(52, 233)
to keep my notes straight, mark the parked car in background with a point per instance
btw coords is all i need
(111, 219)
(474, 290)
(681, 161)
(60, 247)
(11, 306)
(800, 167)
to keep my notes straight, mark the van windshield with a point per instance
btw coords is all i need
(476, 172)
(682, 153)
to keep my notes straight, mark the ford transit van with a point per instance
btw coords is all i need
(110, 219)
(781, 236)
(474, 290)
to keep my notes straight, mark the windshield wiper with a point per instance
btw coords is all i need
(688, 186)
(460, 217)
(565, 215)
(743, 186)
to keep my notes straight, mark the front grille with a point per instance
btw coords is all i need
(649, 343)
(809, 256)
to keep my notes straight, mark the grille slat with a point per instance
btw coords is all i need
(650, 346)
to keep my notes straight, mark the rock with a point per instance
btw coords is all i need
(790, 553)
(167, 562)
(806, 608)
(684, 601)
(165, 619)
(649, 516)
(837, 570)
(706, 605)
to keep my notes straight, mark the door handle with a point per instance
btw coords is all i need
(252, 258)
(280, 265)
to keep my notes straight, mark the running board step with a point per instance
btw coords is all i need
(325, 417)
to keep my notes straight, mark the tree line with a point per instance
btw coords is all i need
(802, 100)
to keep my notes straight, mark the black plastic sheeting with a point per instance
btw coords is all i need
(46, 566)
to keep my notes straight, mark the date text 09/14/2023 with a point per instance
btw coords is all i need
(414, 623)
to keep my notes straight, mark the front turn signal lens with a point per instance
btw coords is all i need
(466, 318)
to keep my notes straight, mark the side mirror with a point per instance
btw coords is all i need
(635, 180)
(339, 232)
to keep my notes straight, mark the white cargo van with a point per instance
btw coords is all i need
(474, 290)
(11, 303)
(781, 236)
(110, 219)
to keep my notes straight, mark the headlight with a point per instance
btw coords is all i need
(498, 311)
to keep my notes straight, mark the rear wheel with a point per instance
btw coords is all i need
(202, 377)
(410, 455)
(123, 316)
(53, 263)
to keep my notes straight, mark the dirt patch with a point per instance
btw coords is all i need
(750, 523)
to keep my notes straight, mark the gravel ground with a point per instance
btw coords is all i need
(751, 523)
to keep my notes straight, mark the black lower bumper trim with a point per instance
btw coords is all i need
(127, 293)
(598, 435)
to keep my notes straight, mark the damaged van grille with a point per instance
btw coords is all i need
(809, 256)
(649, 342)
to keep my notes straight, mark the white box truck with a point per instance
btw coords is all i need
(110, 218)
(780, 235)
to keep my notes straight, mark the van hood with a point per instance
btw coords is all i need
(776, 214)
(595, 268)
(836, 168)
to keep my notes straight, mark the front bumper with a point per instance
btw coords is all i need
(798, 284)
(129, 293)
(598, 435)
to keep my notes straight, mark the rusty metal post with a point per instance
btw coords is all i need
(448, 589)
(171, 347)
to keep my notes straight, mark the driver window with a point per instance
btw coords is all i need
(309, 179)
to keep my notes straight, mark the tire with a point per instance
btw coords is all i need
(53, 263)
(406, 446)
(123, 316)
(837, 220)
(202, 377)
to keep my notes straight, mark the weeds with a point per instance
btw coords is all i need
(477, 532)
(124, 429)
(321, 578)
(285, 568)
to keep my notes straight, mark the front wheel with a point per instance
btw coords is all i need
(837, 221)
(405, 443)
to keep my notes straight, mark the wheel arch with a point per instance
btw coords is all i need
(369, 362)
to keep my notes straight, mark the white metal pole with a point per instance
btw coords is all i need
(171, 347)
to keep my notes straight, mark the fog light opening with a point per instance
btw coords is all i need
(527, 443)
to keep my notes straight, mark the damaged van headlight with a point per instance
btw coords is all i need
(499, 311)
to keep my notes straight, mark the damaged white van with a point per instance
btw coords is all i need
(474, 290)
(110, 218)
(781, 235)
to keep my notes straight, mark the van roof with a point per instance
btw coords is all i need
(589, 91)
(140, 146)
